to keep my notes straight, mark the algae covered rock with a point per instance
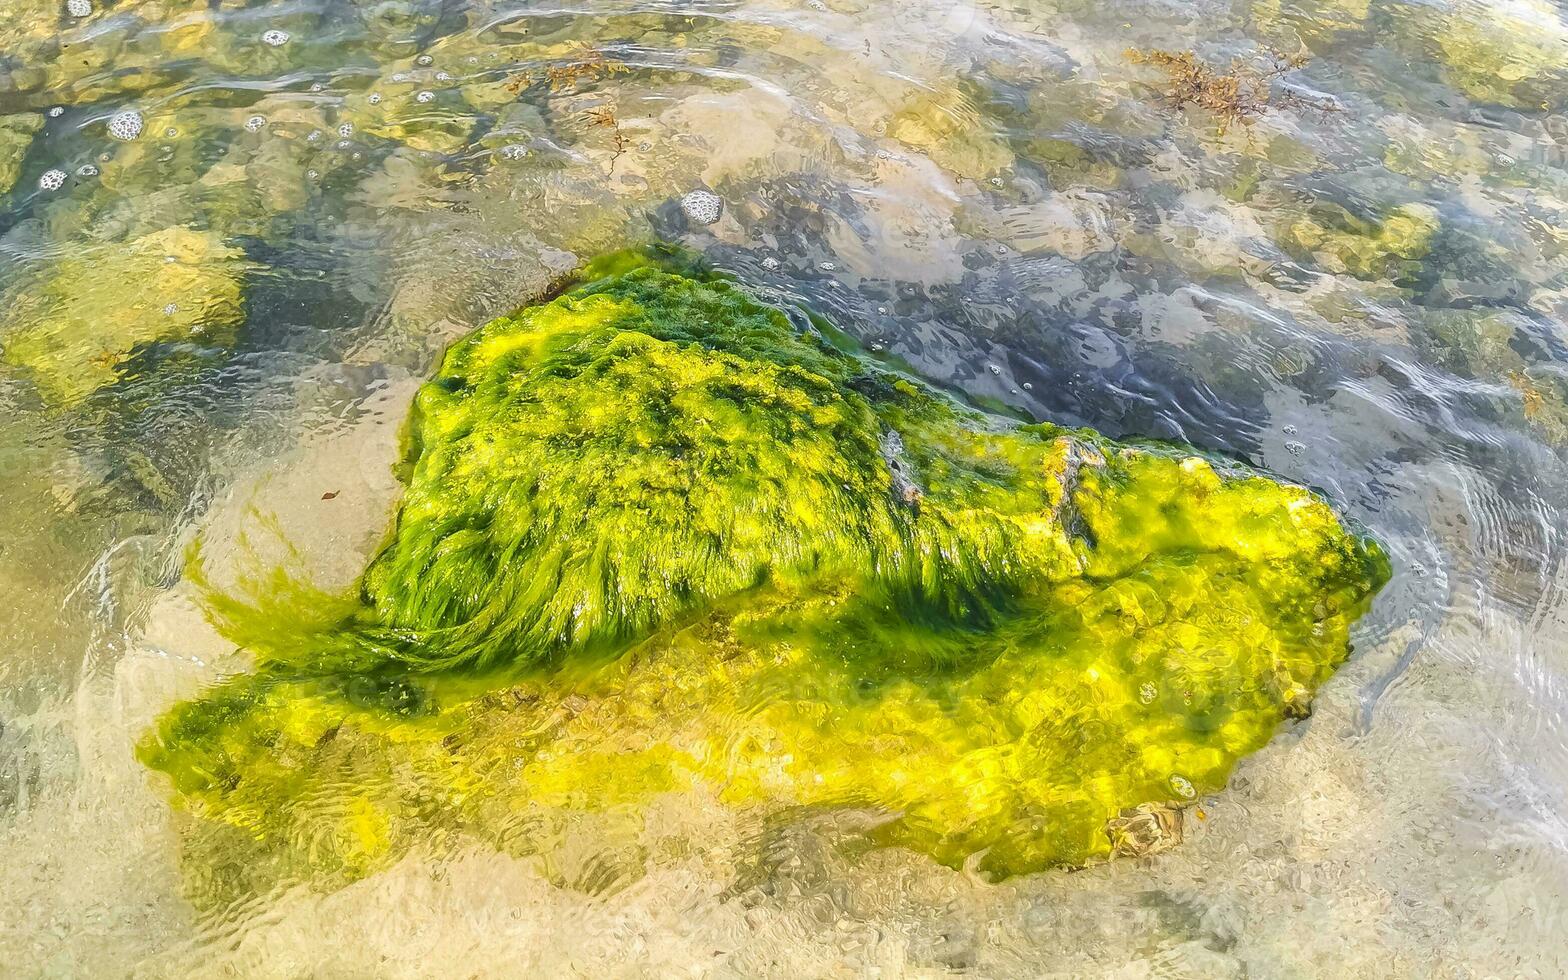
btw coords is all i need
(656, 540)
(1496, 50)
(16, 135)
(1390, 248)
(72, 325)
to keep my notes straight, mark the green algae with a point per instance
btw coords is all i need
(16, 135)
(1390, 248)
(656, 540)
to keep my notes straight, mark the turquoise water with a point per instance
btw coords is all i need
(235, 236)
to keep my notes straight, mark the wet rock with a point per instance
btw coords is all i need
(71, 325)
(656, 540)
(16, 135)
(1391, 248)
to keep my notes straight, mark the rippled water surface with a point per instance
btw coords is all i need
(265, 221)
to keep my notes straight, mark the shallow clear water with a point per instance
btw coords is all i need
(1363, 290)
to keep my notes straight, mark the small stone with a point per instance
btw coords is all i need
(702, 207)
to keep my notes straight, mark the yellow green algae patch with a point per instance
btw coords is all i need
(1392, 248)
(657, 540)
(72, 327)
(16, 135)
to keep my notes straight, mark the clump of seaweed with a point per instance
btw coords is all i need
(604, 117)
(587, 65)
(655, 539)
(1240, 95)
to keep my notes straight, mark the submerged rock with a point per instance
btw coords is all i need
(1391, 248)
(1497, 50)
(656, 540)
(72, 326)
(16, 135)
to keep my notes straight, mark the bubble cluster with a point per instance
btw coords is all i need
(375, 98)
(79, 8)
(702, 207)
(125, 124)
(1147, 693)
(1183, 787)
(424, 61)
(87, 170)
(275, 38)
(425, 97)
(52, 180)
(515, 151)
(57, 112)
(256, 124)
(171, 309)
(346, 130)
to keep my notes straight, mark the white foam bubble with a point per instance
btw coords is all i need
(125, 124)
(87, 170)
(702, 207)
(79, 8)
(275, 38)
(57, 112)
(52, 180)
(425, 97)
(346, 130)
(256, 124)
